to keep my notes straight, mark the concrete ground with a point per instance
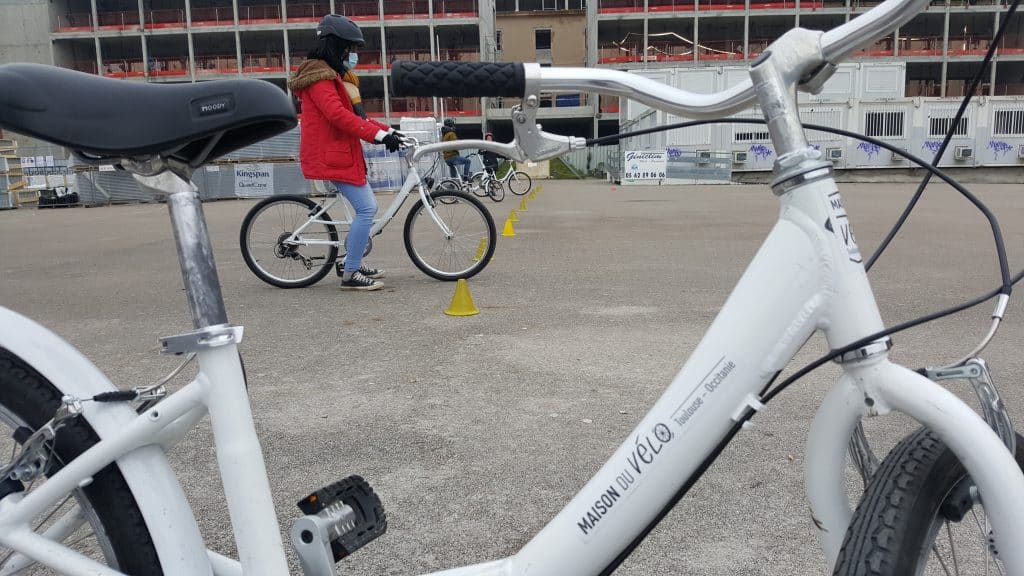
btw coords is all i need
(477, 430)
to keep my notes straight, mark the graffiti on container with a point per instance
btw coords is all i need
(761, 152)
(932, 145)
(674, 152)
(870, 149)
(1000, 147)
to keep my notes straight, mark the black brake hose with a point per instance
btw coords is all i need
(1004, 268)
(768, 393)
(975, 82)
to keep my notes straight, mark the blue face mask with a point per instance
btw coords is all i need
(353, 60)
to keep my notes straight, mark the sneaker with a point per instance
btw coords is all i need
(360, 282)
(370, 272)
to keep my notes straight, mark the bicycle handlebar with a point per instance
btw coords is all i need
(490, 79)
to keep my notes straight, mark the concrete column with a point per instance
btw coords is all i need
(143, 40)
(643, 47)
(945, 48)
(593, 58)
(384, 60)
(746, 29)
(487, 16)
(995, 59)
(238, 39)
(434, 53)
(189, 39)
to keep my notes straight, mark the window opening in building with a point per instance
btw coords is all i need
(938, 127)
(542, 39)
(1008, 123)
(888, 124)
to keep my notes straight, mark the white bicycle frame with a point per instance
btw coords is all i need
(807, 276)
(411, 181)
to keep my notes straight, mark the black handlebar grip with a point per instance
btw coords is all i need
(467, 79)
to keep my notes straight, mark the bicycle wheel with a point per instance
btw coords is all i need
(918, 517)
(449, 185)
(478, 186)
(112, 530)
(519, 182)
(271, 258)
(495, 190)
(466, 251)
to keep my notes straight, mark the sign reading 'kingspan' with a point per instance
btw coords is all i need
(644, 165)
(253, 180)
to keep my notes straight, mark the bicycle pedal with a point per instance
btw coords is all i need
(340, 519)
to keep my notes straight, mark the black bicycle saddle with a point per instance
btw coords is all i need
(113, 119)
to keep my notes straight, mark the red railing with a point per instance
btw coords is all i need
(455, 9)
(268, 14)
(216, 65)
(165, 18)
(444, 54)
(724, 50)
(359, 10)
(414, 55)
(920, 46)
(124, 68)
(168, 67)
(717, 5)
(969, 46)
(119, 20)
(619, 6)
(88, 66)
(74, 23)
(453, 55)
(307, 12)
(368, 60)
(1009, 89)
(670, 5)
(401, 9)
(265, 63)
(609, 53)
(213, 16)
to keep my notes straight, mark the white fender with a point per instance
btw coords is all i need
(150, 477)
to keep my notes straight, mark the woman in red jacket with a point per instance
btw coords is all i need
(329, 142)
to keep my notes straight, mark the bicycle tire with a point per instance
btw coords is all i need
(28, 399)
(519, 183)
(449, 185)
(495, 190)
(285, 257)
(477, 185)
(915, 496)
(466, 252)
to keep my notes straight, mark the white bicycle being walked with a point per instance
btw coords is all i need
(100, 451)
(291, 241)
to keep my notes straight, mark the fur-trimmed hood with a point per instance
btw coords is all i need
(310, 72)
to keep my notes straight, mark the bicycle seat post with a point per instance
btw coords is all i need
(195, 252)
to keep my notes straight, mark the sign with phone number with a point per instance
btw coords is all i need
(644, 165)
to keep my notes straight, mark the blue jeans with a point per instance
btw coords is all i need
(454, 160)
(362, 201)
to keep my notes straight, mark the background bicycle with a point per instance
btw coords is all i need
(486, 182)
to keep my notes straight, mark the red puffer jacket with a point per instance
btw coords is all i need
(329, 147)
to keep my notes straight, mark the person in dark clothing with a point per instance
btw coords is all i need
(490, 159)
